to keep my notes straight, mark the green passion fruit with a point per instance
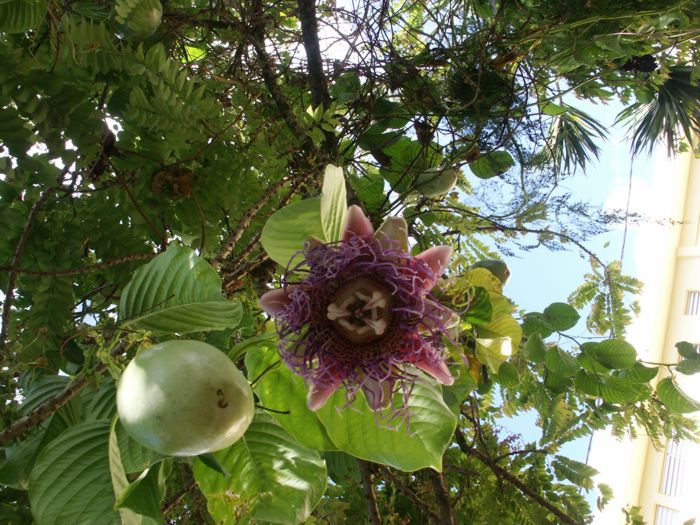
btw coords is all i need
(184, 398)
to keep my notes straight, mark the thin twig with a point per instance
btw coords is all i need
(52, 405)
(510, 478)
(169, 505)
(372, 508)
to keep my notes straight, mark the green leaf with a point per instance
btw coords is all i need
(177, 292)
(549, 108)
(18, 16)
(209, 459)
(120, 481)
(280, 390)
(273, 478)
(674, 398)
(686, 349)
(134, 457)
(534, 349)
(621, 391)
(689, 366)
(615, 353)
(493, 352)
(480, 309)
(580, 474)
(492, 164)
(455, 394)
(589, 384)
(334, 204)
(357, 430)
(535, 323)
(508, 375)
(639, 373)
(560, 362)
(145, 494)
(561, 316)
(342, 467)
(286, 230)
(69, 483)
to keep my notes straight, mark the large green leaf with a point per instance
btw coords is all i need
(674, 398)
(493, 352)
(70, 481)
(286, 230)
(120, 483)
(334, 205)
(492, 164)
(145, 493)
(273, 478)
(421, 443)
(280, 390)
(615, 353)
(177, 292)
(560, 362)
(561, 316)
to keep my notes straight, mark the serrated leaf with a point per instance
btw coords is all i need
(70, 481)
(560, 362)
(286, 230)
(177, 291)
(534, 349)
(620, 391)
(508, 375)
(273, 478)
(492, 164)
(639, 373)
(334, 204)
(535, 323)
(674, 398)
(561, 316)
(589, 384)
(18, 16)
(689, 366)
(282, 391)
(357, 430)
(615, 353)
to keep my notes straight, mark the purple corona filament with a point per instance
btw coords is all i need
(362, 313)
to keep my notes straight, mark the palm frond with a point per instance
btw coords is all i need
(572, 139)
(675, 107)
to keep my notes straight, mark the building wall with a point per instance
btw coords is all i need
(668, 261)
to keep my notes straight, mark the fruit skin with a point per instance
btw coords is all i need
(436, 182)
(496, 267)
(184, 398)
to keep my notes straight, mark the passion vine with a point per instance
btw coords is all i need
(363, 312)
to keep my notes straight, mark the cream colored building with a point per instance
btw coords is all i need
(664, 483)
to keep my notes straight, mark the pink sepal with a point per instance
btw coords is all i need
(438, 370)
(274, 301)
(356, 224)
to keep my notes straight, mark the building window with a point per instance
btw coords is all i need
(675, 461)
(666, 516)
(692, 307)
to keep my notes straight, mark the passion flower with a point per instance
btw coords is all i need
(362, 313)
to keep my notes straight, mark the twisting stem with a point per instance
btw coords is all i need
(510, 478)
(372, 508)
(12, 272)
(52, 405)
